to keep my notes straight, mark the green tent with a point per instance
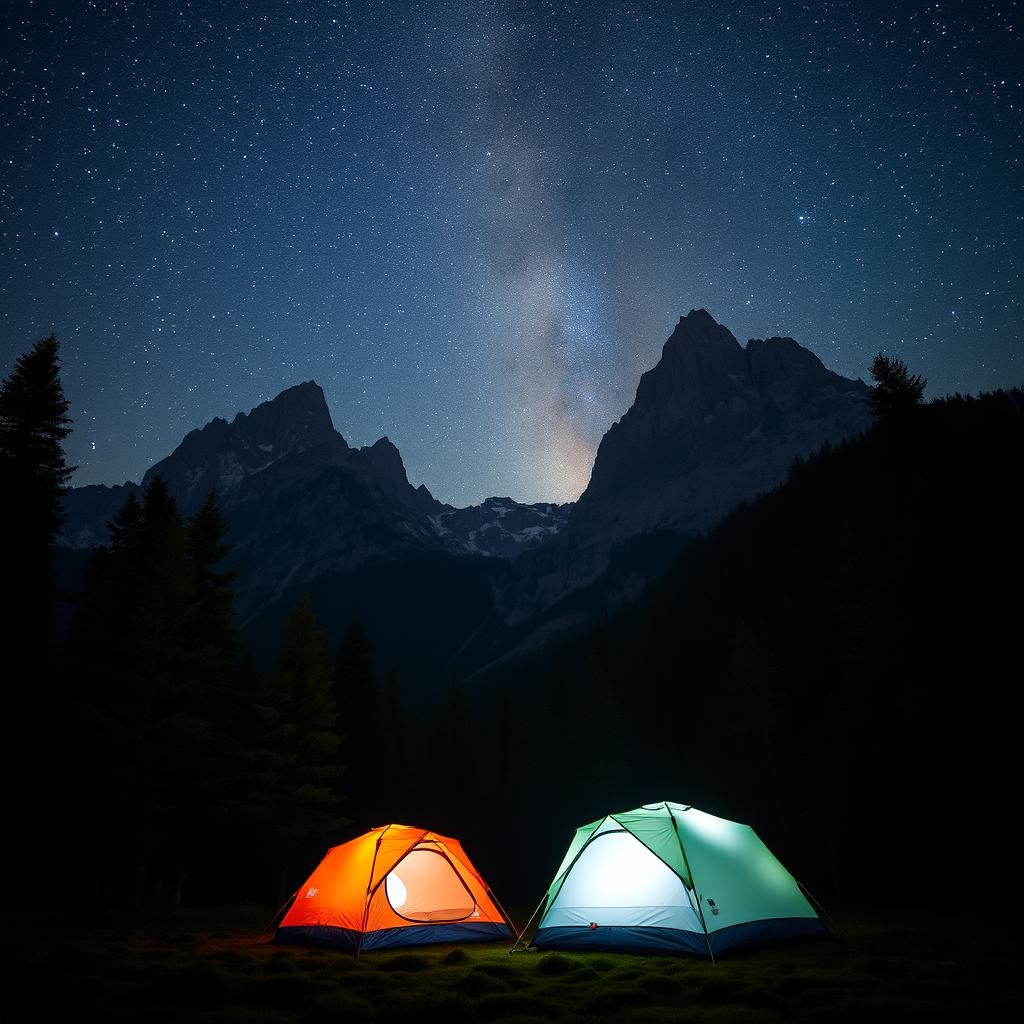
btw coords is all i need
(670, 878)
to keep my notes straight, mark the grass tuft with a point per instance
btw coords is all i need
(583, 974)
(500, 1007)
(232, 958)
(715, 990)
(760, 999)
(662, 985)
(338, 1006)
(283, 989)
(479, 983)
(613, 999)
(345, 962)
(280, 962)
(501, 970)
(197, 983)
(554, 965)
(405, 962)
(430, 1008)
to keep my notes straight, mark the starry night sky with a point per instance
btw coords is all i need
(475, 224)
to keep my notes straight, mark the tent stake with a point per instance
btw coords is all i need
(526, 928)
(821, 906)
(272, 921)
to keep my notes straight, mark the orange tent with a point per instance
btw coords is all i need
(395, 886)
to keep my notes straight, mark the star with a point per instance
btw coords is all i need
(326, 188)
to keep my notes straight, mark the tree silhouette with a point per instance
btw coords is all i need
(157, 716)
(204, 727)
(297, 770)
(755, 707)
(896, 391)
(33, 478)
(359, 700)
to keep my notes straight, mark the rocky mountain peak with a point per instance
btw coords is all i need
(713, 423)
(697, 362)
(700, 325)
(386, 461)
(220, 455)
(297, 418)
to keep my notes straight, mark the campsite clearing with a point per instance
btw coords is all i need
(204, 966)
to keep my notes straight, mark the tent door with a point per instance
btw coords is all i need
(424, 886)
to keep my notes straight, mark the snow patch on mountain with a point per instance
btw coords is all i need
(499, 527)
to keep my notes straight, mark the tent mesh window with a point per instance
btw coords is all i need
(423, 886)
(618, 881)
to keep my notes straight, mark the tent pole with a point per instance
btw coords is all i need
(271, 922)
(563, 876)
(526, 927)
(501, 909)
(693, 881)
(369, 883)
(821, 906)
(483, 885)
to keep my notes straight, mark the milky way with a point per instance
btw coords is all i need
(475, 224)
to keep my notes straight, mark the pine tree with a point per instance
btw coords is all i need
(140, 715)
(896, 391)
(165, 730)
(395, 726)
(96, 662)
(213, 635)
(596, 714)
(33, 478)
(753, 707)
(358, 699)
(202, 721)
(295, 782)
(208, 551)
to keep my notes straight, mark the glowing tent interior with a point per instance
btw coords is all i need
(669, 878)
(394, 886)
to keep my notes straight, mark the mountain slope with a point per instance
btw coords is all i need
(500, 526)
(306, 511)
(221, 455)
(217, 457)
(712, 424)
(829, 662)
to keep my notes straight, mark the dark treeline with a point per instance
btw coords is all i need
(831, 664)
(192, 769)
(836, 664)
(33, 475)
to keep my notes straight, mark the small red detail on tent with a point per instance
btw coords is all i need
(593, 925)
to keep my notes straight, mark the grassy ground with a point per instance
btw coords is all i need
(206, 967)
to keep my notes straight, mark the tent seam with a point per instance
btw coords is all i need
(689, 869)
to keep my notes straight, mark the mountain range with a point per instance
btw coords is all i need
(712, 424)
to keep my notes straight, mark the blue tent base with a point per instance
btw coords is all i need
(387, 938)
(766, 933)
(623, 939)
